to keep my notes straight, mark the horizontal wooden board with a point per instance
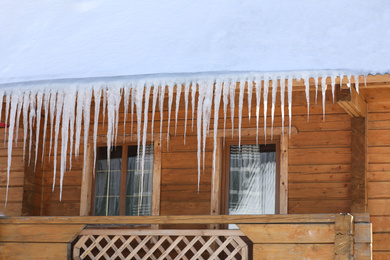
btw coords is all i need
(381, 241)
(184, 208)
(21, 251)
(15, 194)
(314, 156)
(379, 138)
(379, 176)
(287, 233)
(379, 190)
(185, 176)
(379, 107)
(363, 233)
(12, 209)
(38, 233)
(341, 190)
(362, 251)
(379, 167)
(185, 160)
(61, 208)
(321, 139)
(318, 177)
(293, 251)
(379, 207)
(16, 178)
(315, 169)
(379, 154)
(69, 194)
(318, 206)
(380, 223)
(185, 192)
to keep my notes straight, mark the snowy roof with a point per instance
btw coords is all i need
(80, 38)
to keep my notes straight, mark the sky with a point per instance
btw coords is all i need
(46, 40)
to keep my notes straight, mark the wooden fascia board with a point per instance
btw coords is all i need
(352, 102)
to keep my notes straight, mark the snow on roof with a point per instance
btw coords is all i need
(43, 39)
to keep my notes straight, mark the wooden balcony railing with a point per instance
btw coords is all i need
(160, 244)
(309, 236)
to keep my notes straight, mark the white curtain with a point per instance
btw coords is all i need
(252, 180)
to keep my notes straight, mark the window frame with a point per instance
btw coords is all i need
(226, 172)
(88, 183)
(217, 200)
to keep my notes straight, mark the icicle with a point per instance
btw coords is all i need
(193, 93)
(316, 84)
(31, 121)
(66, 114)
(232, 94)
(206, 113)
(7, 105)
(349, 84)
(161, 103)
(265, 104)
(170, 100)
(18, 113)
(113, 100)
(117, 102)
(97, 92)
(250, 90)
(126, 99)
(226, 90)
(240, 104)
(356, 83)
(199, 126)
(178, 93)
(104, 104)
(217, 101)
(333, 82)
(289, 91)
(60, 102)
(282, 91)
(155, 95)
(324, 87)
(14, 104)
(365, 80)
(144, 137)
(53, 108)
(138, 104)
(46, 107)
(258, 103)
(341, 81)
(132, 100)
(2, 98)
(38, 125)
(72, 112)
(79, 116)
(274, 92)
(186, 93)
(307, 90)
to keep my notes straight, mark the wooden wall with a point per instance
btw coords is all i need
(19, 174)
(319, 162)
(379, 170)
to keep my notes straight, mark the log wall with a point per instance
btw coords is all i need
(319, 162)
(379, 170)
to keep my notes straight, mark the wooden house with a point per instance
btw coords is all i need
(199, 165)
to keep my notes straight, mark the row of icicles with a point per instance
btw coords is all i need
(68, 106)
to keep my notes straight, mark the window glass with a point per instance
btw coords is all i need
(108, 182)
(252, 175)
(137, 205)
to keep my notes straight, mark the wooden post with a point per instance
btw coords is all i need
(156, 180)
(358, 165)
(343, 244)
(283, 206)
(86, 186)
(216, 182)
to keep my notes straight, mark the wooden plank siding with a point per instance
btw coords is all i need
(319, 162)
(379, 172)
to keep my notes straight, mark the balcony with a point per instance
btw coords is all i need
(311, 236)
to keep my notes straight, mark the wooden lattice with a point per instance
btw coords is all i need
(160, 244)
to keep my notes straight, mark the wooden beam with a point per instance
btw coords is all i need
(156, 179)
(352, 102)
(358, 165)
(86, 186)
(283, 192)
(199, 219)
(343, 241)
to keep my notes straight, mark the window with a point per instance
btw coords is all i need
(119, 187)
(252, 179)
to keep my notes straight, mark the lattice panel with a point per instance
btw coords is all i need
(160, 244)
